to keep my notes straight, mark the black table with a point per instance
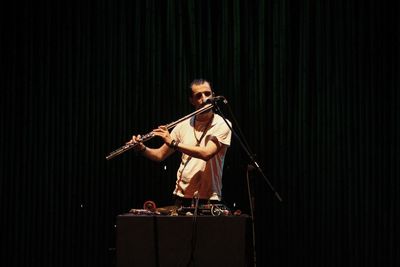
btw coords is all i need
(147, 240)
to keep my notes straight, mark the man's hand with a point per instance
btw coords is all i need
(139, 146)
(163, 133)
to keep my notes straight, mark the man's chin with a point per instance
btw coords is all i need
(202, 105)
(205, 112)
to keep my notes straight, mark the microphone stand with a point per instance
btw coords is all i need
(243, 145)
(251, 203)
(253, 165)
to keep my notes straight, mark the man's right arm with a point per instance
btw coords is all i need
(156, 154)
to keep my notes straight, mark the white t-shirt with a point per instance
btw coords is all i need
(196, 174)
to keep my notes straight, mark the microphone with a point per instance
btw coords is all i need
(212, 100)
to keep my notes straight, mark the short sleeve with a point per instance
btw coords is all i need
(223, 133)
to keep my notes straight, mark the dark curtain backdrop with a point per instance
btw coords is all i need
(312, 84)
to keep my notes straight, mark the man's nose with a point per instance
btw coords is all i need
(204, 98)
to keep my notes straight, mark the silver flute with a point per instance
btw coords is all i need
(150, 135)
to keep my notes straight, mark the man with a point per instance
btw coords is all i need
(203, 141)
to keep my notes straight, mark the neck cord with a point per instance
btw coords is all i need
(204, 131)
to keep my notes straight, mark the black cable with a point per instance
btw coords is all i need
(194, 229)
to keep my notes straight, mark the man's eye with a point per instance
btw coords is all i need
(199, 95)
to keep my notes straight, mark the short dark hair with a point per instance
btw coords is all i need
(197, 82)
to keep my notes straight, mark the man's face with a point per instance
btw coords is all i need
(200, 93)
